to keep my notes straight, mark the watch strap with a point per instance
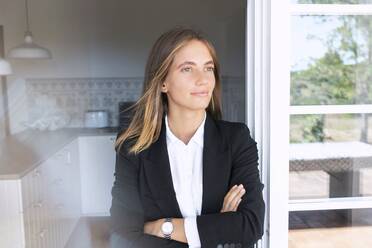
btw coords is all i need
(168, 236)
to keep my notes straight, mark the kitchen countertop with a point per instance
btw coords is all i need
(22, 152)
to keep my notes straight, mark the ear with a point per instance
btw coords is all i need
(164, 88)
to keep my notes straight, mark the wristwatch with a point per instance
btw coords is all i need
(167, 228)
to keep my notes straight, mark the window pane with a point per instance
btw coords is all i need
(331, 60)
(330, 156)
(330, 228)
(332, 1)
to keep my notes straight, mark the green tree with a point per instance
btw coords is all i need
(343, 75)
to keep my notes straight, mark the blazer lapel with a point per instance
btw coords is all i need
(216, 167)
(215, 171)
(159, 176)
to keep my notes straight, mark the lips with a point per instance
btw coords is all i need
(200, 93)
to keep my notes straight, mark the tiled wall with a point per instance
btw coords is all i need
(76, 95)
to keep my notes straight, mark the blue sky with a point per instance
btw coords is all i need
(303, 49)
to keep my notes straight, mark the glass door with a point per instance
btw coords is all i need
(309, 68)
(330, 155)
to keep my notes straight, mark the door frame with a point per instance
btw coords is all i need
(267, 108)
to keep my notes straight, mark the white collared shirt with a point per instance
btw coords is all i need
(186, 162)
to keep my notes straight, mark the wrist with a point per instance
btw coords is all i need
(179, 230)
(167, 228)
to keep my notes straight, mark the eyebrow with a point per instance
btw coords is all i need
(192, 63)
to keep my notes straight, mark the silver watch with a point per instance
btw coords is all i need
(167, 228)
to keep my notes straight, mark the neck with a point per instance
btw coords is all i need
(184, 125)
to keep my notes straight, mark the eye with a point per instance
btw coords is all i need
(187, 69)
(211, 68)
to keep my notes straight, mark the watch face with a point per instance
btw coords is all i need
(167, 227)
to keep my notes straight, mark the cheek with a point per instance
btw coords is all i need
(179, 94)
(179, 87)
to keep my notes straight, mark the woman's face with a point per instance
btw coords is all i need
(190, 80)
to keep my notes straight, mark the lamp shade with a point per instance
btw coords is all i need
(5, 67)
(29, 50)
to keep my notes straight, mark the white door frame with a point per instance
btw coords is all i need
(267, 107)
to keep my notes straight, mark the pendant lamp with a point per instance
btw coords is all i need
(29, 49)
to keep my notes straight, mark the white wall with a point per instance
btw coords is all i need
(112, 38)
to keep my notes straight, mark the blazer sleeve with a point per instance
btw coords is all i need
(245, 226)
(126, 212)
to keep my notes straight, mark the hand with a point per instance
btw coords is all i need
(153, 227)
(233, 198)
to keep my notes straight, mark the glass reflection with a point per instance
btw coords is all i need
(331, 60)
(344, 228)
(330, 156)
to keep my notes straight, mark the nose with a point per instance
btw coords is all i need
(202, 77)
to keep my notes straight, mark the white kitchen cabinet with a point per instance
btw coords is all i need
(11, 219)
(63, 193)
(42, 208)
(97, 166)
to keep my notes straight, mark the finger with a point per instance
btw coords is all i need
(237, 198)
(225, 201)
(231, 190)
(223, 208)
(230, 196)
(237, 205)
(233, 201)
(234, 194)
(228, 201)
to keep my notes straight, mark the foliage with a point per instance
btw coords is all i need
(343, 75)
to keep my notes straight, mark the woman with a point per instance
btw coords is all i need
(183, 176)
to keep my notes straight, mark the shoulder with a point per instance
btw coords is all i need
(238, 136)
(233, 129)
(243, 146)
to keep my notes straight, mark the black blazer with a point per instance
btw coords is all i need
(143, 190)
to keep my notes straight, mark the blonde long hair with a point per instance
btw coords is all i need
(149, 109)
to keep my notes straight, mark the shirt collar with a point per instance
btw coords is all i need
(198, 136)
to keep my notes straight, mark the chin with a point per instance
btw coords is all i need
(200, 107)
(196, 105)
